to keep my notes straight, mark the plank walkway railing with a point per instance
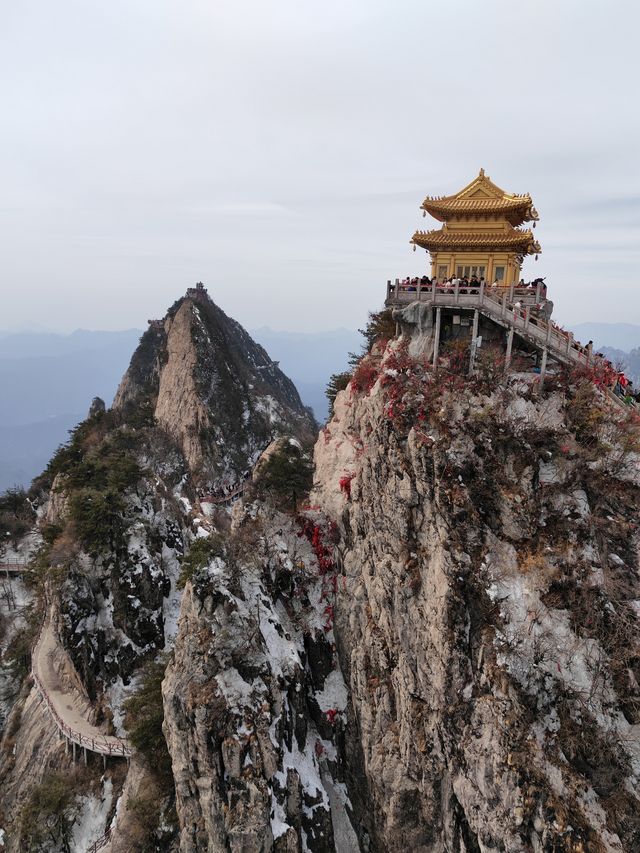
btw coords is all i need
(502, 309)
(234, 492)
(223, 499)
(102, 745)
(101, 842)
(13, 566)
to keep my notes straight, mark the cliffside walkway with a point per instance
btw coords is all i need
(13, 567)
(224, 500)
(63, 706)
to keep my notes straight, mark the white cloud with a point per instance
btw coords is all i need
(145, 145)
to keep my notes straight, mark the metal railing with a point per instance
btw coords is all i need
(101, 842)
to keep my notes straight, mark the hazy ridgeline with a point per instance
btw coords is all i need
(47, 382)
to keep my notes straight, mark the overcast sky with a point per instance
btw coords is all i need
(280, 151)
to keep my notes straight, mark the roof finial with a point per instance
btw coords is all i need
(482, 173)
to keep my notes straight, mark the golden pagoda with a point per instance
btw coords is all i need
(480, 235)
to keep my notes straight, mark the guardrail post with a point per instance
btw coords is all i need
(74, 750)
(482, 293)
(527, 312)
(397, 287)
(511, 288)
(474, 328)
(474, 341)
(434, 285)
(419, 289)
(537, 293)
(548, 338)
(507, 358)
(456, 292)
(543, 369)
(436, 342)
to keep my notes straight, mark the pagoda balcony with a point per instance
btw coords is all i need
(524, 310)
(463, 295)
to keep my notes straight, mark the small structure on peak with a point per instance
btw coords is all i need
(480, 234)
(475, 293)
(199, 292)
(97, 407)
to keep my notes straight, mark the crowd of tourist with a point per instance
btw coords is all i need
(615, 380)
(620, 384)
(467, 282)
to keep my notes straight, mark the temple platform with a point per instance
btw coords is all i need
(517, 310)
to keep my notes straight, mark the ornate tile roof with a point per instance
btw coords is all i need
(482, 198)
(522, 242)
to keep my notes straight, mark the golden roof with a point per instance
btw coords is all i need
(482, 198)
(514, 240)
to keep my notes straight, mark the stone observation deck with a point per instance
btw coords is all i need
(520, 310)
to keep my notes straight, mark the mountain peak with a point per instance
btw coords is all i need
(211, 387)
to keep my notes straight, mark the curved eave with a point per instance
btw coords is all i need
(441, 241)
(516, 210)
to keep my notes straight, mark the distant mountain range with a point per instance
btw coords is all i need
(621, 336)
(47, 381)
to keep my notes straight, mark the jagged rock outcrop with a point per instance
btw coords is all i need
(487, 625)
(212, 388)
(439, 653)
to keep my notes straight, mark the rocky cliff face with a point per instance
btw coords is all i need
(118, 507)
(254, 697)
(439, 653)
(487, 625)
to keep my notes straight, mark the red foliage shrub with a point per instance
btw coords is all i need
(322, 550)
(364, 376)
(600, 373)
(345, 485)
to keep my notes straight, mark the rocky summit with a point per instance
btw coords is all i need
(414, 631)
